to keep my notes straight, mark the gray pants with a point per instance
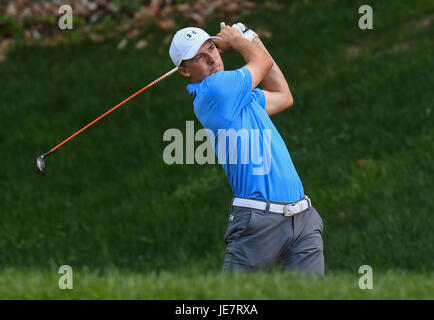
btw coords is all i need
(258, 240)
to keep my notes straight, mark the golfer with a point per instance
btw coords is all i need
(272, 222)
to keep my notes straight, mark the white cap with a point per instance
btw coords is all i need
(186, 43)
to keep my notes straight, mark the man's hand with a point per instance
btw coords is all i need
(229, 36)
(247, 33)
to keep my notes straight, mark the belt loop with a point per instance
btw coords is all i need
(232, 203)
(267, 208)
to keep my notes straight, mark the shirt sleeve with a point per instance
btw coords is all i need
(259, 96)
(230, 91)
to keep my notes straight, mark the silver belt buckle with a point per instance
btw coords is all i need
(286, 212)
(309, 204)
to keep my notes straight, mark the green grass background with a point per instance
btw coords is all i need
(360, 134)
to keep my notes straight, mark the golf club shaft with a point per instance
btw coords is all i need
(111, 110)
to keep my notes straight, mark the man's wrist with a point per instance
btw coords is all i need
(250, 35)
(239, 42)
(256, 40)
(246, 32)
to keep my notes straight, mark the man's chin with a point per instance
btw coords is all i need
(218, 69)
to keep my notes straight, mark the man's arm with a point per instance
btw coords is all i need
(259, 62)
(278, 96)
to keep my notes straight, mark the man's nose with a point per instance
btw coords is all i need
(211, 60)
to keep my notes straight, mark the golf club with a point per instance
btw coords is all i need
(40, 162)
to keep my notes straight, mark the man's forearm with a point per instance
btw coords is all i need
(258, 61)
(249, 51)
(274, 81)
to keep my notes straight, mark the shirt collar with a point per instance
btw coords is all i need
(192, 89)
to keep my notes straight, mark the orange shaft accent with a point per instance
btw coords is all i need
(113, 109)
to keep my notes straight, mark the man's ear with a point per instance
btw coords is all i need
(183, 71)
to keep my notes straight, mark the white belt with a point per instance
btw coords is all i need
(285, 209)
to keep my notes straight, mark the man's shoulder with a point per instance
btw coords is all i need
(203, 87)
(212, 84)
(227, 75)
(221, 82)
(215, 78)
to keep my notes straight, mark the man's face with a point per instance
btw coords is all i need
(206, 61)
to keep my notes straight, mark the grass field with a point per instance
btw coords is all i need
(116, 284)
(360, 134)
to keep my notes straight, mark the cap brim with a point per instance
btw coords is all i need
(196, 48)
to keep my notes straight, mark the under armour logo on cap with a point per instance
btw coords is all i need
(191, 34)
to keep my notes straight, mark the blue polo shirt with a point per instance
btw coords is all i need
(247, 144)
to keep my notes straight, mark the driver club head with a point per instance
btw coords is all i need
(40, 164)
